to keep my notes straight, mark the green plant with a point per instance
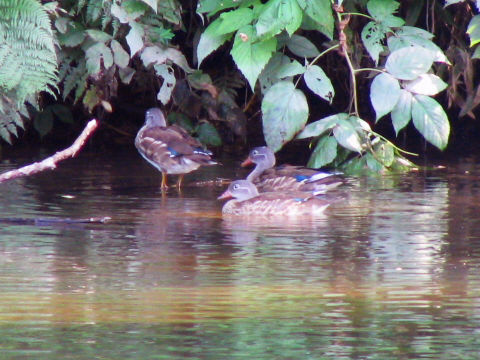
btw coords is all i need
(267, 41)
(28, 62)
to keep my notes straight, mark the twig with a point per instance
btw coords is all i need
(50, 163)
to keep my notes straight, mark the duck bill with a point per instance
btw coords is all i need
(226, 195)
(247, 162)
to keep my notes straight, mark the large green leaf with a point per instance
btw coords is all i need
(208, 134)
(406, 38)
(301, 46)
(347, 136)
(402, 111)
(250, 56)
(382, 11)
(473, 30)
(430, 120)
(319, 83)
(384, 93)
(279, 15)
(318, 127)
(320, 11)
(213, 6)
(285, 112)
(279, 67)
(210, 41)
(120, 56)
(95, 54)
(135, 38)
(425, 84)
(372, 36)
(324, 153)
(231, 21)
(409, 62)
(169, 81)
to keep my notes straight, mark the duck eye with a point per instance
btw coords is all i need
(254, 152)
(236, 187)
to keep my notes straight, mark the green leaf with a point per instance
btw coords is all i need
(169, 81)
(95, 54)
(405, 39)
(372, 163)
(126, 74)
(324, 153)
(382, 11)
(319, 83)
(98, 36)
(250, 56)
(159, 54)
(408, 63)
(278, 67)
(301, 46)
(402, 111)
(74, 36)
(384, 94)
(210, 42)
(372, 36)
(476, 53)
(320, 11)
(385, 153)
(319, 127)
(285, 112)
(152, 4)
(62, 112)
(43, 122)
(473, 30)
(414, 31)
(279, 15)
(214, 6)
(120, 56)
(208, 134)
(347, 136)
(430, 120)
(425, 84)
(231, 21)
(135, 38)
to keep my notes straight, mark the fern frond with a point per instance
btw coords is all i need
(10, 118)
(28, 63)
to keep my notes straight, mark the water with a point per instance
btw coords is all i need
(392, 273)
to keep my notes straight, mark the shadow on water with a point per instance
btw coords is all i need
(393, 272)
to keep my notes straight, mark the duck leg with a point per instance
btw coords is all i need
(180, 181)
(164, 185)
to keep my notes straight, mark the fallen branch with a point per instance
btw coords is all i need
(50, 163)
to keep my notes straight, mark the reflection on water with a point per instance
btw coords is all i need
(393, 272)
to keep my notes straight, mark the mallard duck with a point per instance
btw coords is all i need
(266, 177)
(248, 201)
(170, 149)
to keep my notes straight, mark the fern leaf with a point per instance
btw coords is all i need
(28, 62)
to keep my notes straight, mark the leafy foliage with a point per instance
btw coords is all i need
(28, 62)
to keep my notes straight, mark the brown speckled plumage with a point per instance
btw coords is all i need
(170, 149)
(248, 202)
(268, 178)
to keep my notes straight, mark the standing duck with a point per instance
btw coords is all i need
(247, 201)
(266, 177)
(170, 149)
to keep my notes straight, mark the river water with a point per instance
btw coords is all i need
(393, 272)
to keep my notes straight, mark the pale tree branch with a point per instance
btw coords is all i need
(50, 163)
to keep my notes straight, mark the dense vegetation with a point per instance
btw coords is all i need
(332, 72)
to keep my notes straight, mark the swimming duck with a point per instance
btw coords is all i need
(286, 177)
(248, 201)
(170, 149)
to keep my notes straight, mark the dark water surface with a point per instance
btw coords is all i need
(392, 273)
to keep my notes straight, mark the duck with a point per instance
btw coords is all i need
(268, 178)
(246, 201)
(170, 149)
